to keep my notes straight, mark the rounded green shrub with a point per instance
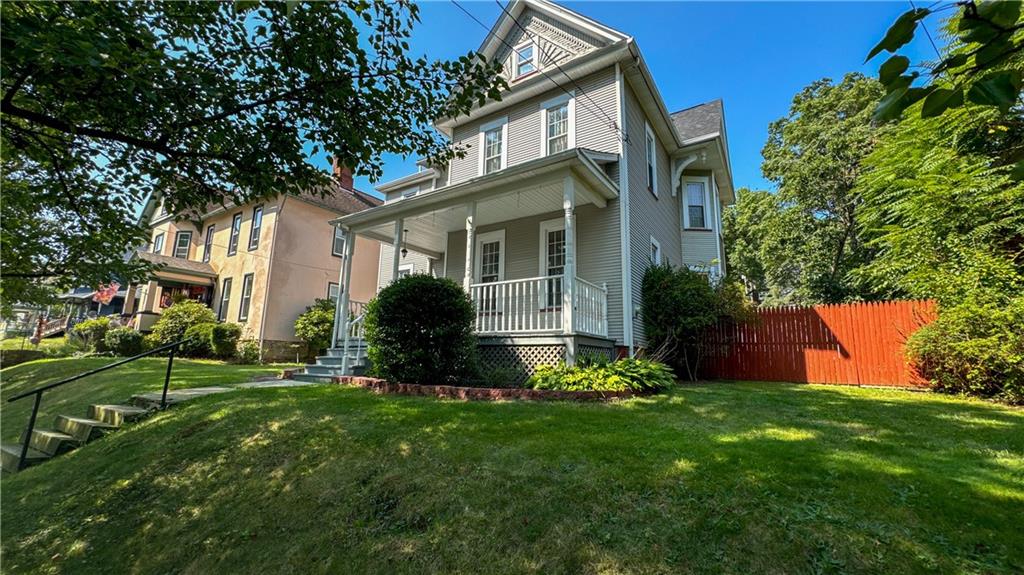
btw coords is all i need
(419, 329)
(93, 332)
(248, 351)
(316, 324)
(224, 339)
(175, 320)
(198, 341)
(124, 341)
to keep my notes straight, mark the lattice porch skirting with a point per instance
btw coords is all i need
(524, 353)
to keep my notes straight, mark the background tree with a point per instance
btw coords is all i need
(205, 102)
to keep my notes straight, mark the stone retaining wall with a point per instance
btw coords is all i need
(478, 393)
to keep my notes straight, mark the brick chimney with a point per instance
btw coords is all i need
(342, 173)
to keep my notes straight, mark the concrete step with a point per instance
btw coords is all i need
(152, 400)
(11, 452)
(312, 378)
(323, 370)
(52, 442)
(329, 359)
(352, 346)
(82, 428)
(116, 415)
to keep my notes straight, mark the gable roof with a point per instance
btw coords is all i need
(338, 199)
(700, 120)
(508, 20)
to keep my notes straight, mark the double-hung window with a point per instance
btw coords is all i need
(182, 241)
(655, 252)
(696, 213)
(338, 247)
(257, 225)
(652, 161)
(492, 146)
(243, 309)
(557, 125)
(158, 243)
(490, 265)
(225, 299)
(525, 56)
(236, 230)
(332, 292)
(552, 261)
(208, 242)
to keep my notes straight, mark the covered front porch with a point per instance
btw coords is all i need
(535, 246)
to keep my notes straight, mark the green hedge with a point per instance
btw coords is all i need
(198, 341)
(175, 320)
(93, 333)
(224, 339)
(124, 341)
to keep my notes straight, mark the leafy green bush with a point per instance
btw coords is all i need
(92, 333)
(124, 341)
(198, 341)
(224, 339)
(248, 351)
(974, 348)
(150, 341)
(420, 330)
(315, 325)
(638, 375)
(175, 320)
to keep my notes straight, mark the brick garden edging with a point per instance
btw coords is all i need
(478, 393)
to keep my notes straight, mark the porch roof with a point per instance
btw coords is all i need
(180, 270)
(529, 176)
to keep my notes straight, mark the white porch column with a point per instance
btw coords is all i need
(569, 279)
(339, 319)
(396, 253)
(129, 300)
(341, 312)
(467, 278)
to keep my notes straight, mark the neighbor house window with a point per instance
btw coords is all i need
(557, 119)
(338, 247)
(332, 291)
(158, 243)
(655, 252)
(182, 242)
(236, 230)
(225, 299)
(652, 162)
(525, 59)
(552, 258)
(257, 224)
(492, 146)
(696, 205)
(208, 243)
(243, 309)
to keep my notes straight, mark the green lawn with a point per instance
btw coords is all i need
(24, 343)
(114, 386)
(712, 478)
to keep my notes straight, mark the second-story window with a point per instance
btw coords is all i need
(257, 223)
(182, 242)
(557, 125)
(652, 162)
(158, 244)
(492, 147)
(338, 247)
(236, 230)
(208, 243)
(525, 59)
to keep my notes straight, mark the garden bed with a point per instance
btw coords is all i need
(479, 393)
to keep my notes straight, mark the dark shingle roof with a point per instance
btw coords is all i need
(180, 264)
(338, 199)
(699, 120)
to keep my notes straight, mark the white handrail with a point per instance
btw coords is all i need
(534, 305)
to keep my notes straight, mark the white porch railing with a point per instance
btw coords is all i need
(534, 305)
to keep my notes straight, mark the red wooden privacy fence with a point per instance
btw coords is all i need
(858, 344)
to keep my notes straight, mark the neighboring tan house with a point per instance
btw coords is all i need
(259, 265)
(571, 186)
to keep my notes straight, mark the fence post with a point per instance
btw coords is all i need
(167, 378)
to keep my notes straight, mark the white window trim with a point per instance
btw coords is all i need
(177, 241)
(486, 238)
(651, 157)
(533, 59)
(484, 128)
(542, 250)
(685, 204)
(544, 107)
(336, 286)
(334, 238)
(657, 245)
(411, 268)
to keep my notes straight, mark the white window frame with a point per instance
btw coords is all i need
(226, 285)
(245, 301)
(208, 242)
(255, 231)
(651, 157)
(411, 268)
(236, 234)
(533, 60)
(486, 238)
(655, 251)
(334, 242)
(569, 99)
(484, 128)
(685, 204)
(177, 243)
(158, 243)
(337, 291)
(546, 227)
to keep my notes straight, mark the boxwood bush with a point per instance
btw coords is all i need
(175, 320)
(92, 333)
(419, 329)
(636, 375)
(124, 341)
(198, 341)
(224, 339)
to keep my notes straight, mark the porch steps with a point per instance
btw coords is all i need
(329, 365)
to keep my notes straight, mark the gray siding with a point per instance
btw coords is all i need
(597, 252)
(649, 215)
(421, 264)
(557, 42)
(700, 247)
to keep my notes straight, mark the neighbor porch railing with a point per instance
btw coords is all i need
(534, 305)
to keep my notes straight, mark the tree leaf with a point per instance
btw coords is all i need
(1017, 173)
(999, 89)
(940, 100)
(1003, 14)
(901, 32)
(892, 68)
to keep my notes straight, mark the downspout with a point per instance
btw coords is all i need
(270, 269)
(624, 232)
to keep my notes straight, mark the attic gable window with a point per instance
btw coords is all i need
(525, 56)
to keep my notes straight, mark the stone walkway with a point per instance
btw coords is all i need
(175, 396)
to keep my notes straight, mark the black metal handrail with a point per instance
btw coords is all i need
(38, 392)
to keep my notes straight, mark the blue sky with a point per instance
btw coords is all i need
(753, 55)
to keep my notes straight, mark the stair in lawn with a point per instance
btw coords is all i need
(328, 366)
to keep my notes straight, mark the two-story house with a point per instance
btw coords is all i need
(572, 185)
(259, 265)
